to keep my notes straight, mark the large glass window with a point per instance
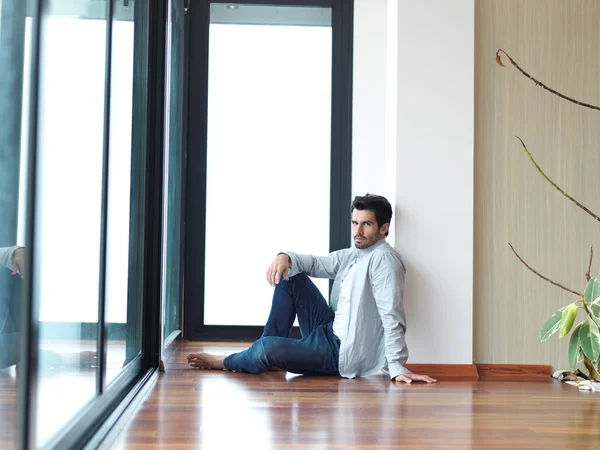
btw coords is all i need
(84, 279)
(81, 116)
(172, 268)
(68, 209)
(123, 305)
(269, 151)
(268, 160)
(13, 161)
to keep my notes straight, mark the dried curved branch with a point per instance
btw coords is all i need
(587, 275)
(579, 294)
(539, 83)
(554, 184)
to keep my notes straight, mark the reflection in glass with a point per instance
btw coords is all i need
(68, 208)
(269, 150)
(13, 267)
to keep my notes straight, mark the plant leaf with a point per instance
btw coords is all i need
(567, 318)
(551, 325)
(592, 290)
(574, 348)
(589, 337)
(595, 308)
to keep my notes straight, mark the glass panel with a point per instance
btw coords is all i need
(269, 150)
(15, 31)
(123, 331)
(171, 264)
(68, 208)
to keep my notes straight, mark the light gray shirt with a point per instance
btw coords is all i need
(6, 256)
(376, 321)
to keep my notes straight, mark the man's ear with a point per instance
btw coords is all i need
(385, 228)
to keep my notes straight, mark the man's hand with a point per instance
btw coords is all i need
(19, 262)
(410, 377)
(280, 266)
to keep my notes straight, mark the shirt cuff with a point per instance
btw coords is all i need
(295, 262)
(397, 369)
(6, 256)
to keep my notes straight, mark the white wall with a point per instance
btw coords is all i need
(374, 102)
(432, 105)
(368, 113)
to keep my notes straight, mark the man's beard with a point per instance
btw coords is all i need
(366, 243)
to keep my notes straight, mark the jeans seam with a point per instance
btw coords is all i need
(264, 352)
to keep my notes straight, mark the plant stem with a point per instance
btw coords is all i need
(587, 275)
(589, 313)
(554, 184)
(589, 365)
(546, 278)
(539, 83)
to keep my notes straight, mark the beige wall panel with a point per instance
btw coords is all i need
(557, 42)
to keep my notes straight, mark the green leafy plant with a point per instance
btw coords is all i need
(584, 343)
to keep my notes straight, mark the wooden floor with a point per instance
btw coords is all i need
(189, 408)
(8, 408)
(61, 392)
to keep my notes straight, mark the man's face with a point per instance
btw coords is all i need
(365, 229)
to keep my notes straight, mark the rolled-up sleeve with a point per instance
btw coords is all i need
(387, 278)
(316, 266)
(6, 256)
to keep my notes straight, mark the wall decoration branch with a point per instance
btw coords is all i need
(584, 343)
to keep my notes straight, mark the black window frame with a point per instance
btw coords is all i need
(90, 426)
(194, 328)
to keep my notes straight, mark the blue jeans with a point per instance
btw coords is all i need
(317, 353)
(10, 309)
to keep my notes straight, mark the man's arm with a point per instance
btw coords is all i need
(289, 264)
(317, 266)
(387, 278)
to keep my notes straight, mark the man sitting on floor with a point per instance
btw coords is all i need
(363, 330)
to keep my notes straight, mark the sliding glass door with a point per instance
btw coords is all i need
(173, 175)
(88, 323)
(269, 153)
(81, 101)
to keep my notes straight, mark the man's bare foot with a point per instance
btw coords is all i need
(206, 361)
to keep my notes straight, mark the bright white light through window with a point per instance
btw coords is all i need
(269, 150)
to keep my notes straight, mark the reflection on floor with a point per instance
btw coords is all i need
(220, 410)
(8, 407)
(64, 387)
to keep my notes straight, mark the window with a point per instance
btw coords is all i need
(172, 267)
(78, 208)
(269, 160)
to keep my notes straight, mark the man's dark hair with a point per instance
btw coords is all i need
(376, 203)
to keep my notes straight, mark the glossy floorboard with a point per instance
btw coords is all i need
(62, 390)
(189, 409)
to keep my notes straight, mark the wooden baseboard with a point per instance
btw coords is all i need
(513, 372)
(483, 372)
(466, 372)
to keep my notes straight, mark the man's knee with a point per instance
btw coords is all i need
(271, 350)
(291, 282)
(295, 280)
